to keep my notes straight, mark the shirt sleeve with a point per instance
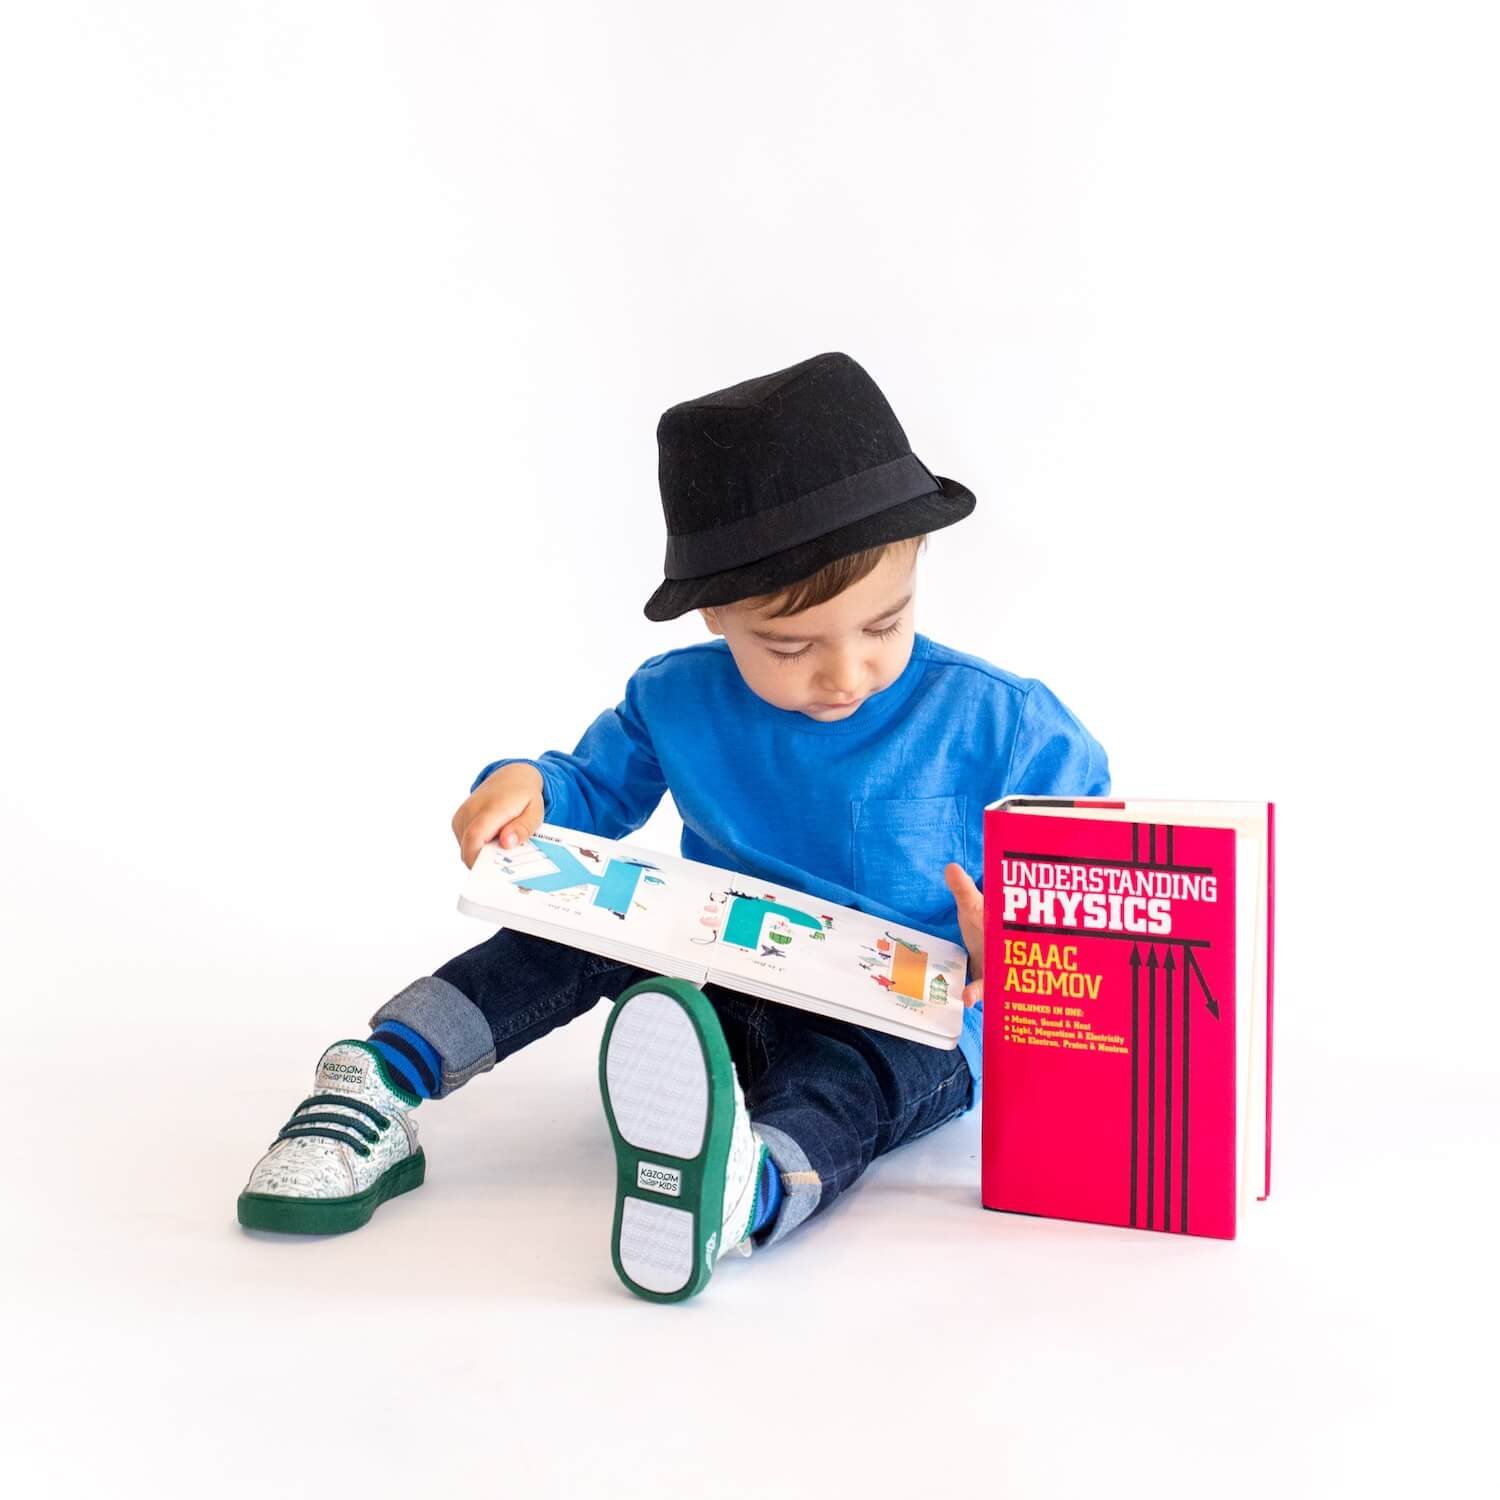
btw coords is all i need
(611, 782)
(1053, 755)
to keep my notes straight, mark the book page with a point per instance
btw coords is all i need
(592, 888)
(773, 941)
(1256, 1132)
(680, 916)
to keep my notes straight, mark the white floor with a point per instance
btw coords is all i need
(473, 1336)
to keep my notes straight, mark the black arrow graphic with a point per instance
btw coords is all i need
(1151, 1100)
(1208, 999)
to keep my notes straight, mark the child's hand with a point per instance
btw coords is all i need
(507, 802)
(969, 900)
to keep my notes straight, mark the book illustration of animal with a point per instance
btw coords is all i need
(748, 916)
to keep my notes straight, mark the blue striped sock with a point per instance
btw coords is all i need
(410, 1057)
(768, 1194)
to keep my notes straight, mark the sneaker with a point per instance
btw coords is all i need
(348, 1146)
(687, 1162)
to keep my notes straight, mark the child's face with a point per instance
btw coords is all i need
(825, 661)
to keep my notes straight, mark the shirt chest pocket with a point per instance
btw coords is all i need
(900, 847)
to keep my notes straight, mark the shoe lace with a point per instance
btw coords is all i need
(343, 1128)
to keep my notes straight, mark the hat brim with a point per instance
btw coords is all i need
(930, 512)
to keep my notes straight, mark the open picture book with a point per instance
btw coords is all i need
(698, 922)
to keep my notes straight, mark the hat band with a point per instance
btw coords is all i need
(717, 549)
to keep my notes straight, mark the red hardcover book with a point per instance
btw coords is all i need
(1128, 968)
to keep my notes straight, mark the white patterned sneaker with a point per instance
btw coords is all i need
(349, 1146)
(687, 1162)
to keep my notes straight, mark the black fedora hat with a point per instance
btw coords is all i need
(767, 481)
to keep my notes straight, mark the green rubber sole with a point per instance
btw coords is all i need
(693, 1201)
(331, 1215)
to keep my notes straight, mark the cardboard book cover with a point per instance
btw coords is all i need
(706, 924)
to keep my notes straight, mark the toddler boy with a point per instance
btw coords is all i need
(818, 742)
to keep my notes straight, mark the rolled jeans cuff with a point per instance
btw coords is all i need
(802, 1186)
(450, 1022)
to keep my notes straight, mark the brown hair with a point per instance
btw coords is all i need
(829, 581)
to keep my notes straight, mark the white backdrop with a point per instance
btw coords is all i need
(332, 344)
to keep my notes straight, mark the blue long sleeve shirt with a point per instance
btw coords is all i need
(865, 811)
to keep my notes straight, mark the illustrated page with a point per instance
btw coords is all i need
(781, 937)
(591, 886)
(732, 923)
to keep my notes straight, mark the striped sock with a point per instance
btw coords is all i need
(409, 1056)
(768, 1195)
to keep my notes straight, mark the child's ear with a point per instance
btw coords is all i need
(711, 619)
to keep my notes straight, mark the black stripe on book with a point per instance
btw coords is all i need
(1114, 864)
(1135, 1079)
(1166, 1163)
(1182, 1166)
(1151, 1101)
(1093, 932)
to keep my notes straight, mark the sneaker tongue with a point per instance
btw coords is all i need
(352, 1068)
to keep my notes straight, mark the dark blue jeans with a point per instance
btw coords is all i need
(826, 1096)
